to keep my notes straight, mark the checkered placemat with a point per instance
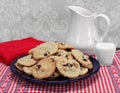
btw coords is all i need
(106, 80)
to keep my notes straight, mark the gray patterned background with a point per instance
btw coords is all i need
(50, 19)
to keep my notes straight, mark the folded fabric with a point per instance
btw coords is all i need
(11, 50)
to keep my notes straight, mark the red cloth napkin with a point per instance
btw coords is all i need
(13, 49)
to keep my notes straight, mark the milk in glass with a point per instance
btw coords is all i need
(105, 53)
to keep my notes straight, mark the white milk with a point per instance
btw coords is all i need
(105, 53)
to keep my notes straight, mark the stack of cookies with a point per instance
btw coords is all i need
(53, 59)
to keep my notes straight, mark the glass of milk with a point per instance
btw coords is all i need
(105, 53)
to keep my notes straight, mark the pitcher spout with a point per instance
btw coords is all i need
(81, 11)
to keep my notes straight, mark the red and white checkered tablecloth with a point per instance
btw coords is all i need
(106, 80)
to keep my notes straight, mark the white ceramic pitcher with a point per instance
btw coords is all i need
(82, 33)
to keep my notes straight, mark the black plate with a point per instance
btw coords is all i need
(96, 67)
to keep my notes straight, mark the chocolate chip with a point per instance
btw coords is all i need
(84, 59)
(68, 49)
(56, 41)
(31, 57)
(58, 54)
(62, 43)
(67, 56)
(45, 54)
(38, 66)
(52, 59)
(68, 64)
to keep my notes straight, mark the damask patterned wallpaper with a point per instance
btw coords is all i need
(50, 19)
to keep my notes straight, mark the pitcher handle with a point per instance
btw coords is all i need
(108, 24)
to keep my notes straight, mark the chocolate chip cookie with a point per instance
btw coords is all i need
(18, 66)
(64, 46)
(26, 61)
(44, 68)
(83, 70)
(84, 61)
(68, 67)
(61, 53)
(44, 50)
(27, 70)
